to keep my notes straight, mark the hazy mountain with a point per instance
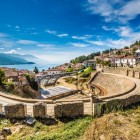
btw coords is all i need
(8, 59)
(28, 57)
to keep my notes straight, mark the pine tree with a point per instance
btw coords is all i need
(36, 70)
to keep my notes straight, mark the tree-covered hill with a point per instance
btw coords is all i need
(81, 59)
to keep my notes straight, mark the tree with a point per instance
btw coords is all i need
(126, 47)
(69, 70)
(98, 61)
(36, 70)
(33, 84)
(2, 77)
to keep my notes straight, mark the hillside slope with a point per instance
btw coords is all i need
(115, 126)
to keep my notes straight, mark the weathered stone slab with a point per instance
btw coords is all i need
(40, 110)
(15, 111)
(72, 109)
(1, 107)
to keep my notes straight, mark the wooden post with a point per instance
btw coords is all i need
(139, 75)
(127, 72)
(133, 73)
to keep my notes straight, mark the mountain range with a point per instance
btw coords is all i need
(14, 59)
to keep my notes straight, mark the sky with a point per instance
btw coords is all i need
(60, 30)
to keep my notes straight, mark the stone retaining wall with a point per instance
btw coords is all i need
(15, 111)
(1, 107)
(74, 109)
(123, 71)
(40, 110)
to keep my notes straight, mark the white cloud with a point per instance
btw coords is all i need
(27, 42)
(11, 52)
(7, 43)
(18, 48)
(3, 35)
(61, 56)
(80, 45)
(118, 43)
(62, 35)
(17, 27)
(118, 10)
(46, 46)
(130, 10)
(9, 26)
(51, 32)
(82, 37)
(34, 33)
(99, 43)
(56, 34)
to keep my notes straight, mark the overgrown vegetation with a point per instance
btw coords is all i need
(86, 73)
(64, 130)
(33, 84)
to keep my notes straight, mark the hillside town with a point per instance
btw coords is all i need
(125, 57)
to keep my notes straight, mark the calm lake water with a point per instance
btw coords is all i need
(31, 66)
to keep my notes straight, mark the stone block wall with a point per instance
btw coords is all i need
(121, 71)
(115, 104)
(73, 109)
(1, 108)
(15, 111)
(40, 110)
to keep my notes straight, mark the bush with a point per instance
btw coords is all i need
(10, 87)
(86, 72)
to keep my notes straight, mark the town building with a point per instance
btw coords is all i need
(125, 61)
(89, 63)
(54, 71)
(23, 81)
(137, 56)
(11, 76)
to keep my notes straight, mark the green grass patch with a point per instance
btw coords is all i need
(71, 130)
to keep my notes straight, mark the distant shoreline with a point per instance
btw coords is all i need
(18, 63)
(30, 66)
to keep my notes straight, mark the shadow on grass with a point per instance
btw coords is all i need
(69, 119)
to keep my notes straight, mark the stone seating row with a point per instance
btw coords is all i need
(113, 84)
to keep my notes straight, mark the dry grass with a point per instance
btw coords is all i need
(124, 125)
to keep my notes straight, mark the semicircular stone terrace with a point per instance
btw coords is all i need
(114, 85)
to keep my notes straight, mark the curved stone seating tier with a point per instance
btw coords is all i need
(114, 85)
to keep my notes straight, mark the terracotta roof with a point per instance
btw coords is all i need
(125, 57)
(119, 56)
(9, 73)
(130, 56)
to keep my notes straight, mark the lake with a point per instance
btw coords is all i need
(31, 66)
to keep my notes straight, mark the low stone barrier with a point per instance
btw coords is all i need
(124, 71)
(40, 110)
(15, 111)
(1, 107)
(73, 109)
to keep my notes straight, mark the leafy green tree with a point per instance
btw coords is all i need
(69, 70)
(36, 70)
(33, 84)
(98, 61)
(2, 77)
(126, 47)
